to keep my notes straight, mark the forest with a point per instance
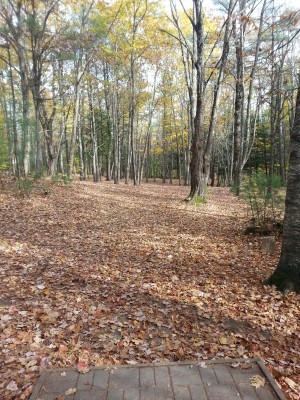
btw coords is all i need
(146, 152)
(111, 90)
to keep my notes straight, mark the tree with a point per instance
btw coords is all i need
(97, 86)
(12, 32)
(81, 62)
(207, 56)
(198, 139)
(286, 277)
(40, 41)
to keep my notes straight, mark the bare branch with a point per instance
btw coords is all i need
(186, 13)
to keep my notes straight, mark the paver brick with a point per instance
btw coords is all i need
(233, 397)
(56, 382)
(247, 391)
(89, 395)
(223, 391)
(124, 378)
(182, 381)
(183, 370)
(223, 374)
(243, 375)
(181, 393)
(208, 376)
(198, 392)
(187, 380)
(264, 393)
(101, 379)
(115, 394)
(53, 396)
(240, 377)
(162, 377)
(147, 377)
(156, 393)
(131, 394)
(85, 381)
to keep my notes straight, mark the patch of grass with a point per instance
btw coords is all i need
(61, 178)
(268, 228)
(265, 199)
(199, 201)
(24, 186)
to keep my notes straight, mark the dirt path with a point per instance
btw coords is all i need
(112, 274)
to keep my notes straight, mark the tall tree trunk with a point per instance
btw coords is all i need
(148, 161)
(178, 150)
(184, 148)
(190, 80)
(109, 97)
(198, 184)
(75, 124)
(36, 72)
(79, 73)
(222, 64)
(14, 120)
(272, 120)
(131, 118)
(52, 149)
(239, 102)
(147, 144)
(128, 157)
(83, 166)
(116, 136)
(246, 144)
(94, 137)
(25, 111)
(279, 127)
(7, 124)
(286, 277)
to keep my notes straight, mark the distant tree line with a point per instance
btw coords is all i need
(128, 90)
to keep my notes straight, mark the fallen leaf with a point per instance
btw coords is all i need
(293, 385)
(26, 392)
(235, 365)
(70, 391)
(246, 365)
(41, 286)
(109, 287)
(223, 340)
(59, 397)
(257, 381)
(82, 367)
(12, 386)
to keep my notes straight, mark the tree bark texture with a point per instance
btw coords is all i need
(286, 277)
(238, 107)
(198, 184)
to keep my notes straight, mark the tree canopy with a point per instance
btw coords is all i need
(113, 88)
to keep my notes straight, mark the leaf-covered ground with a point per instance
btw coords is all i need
(109, 274)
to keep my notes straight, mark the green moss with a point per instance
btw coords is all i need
(199, 201)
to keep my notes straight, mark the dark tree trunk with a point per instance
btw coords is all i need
(238, 108)
(52, 149)
(286, 277)
(198, 181)
(14, 119)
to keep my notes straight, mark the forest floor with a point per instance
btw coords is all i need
(113, 274)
